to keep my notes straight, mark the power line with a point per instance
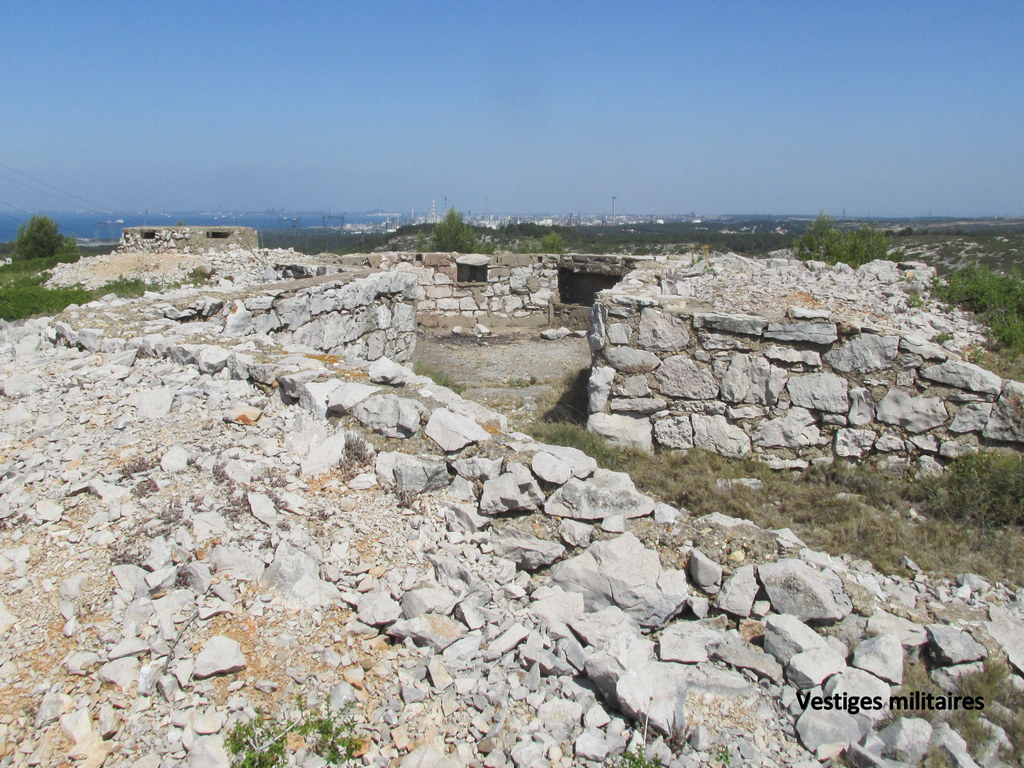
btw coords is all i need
(19, 210)
(102, 208)
(65, 201)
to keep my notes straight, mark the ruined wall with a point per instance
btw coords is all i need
(363, 318)
(527, 289)
(788, 389)
(188, 239)
(457, 287)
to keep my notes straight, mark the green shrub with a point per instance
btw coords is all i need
(453, 234)
(997, 299)
(638, 760)
(985, 488)
(261, 742)
(39, 238)
(823, 242)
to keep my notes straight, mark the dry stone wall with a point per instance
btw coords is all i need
(789, 389)
(455, 286)
(363, 318)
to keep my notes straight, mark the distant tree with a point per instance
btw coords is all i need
(39, 238)
(552, 242)
(453, 234)
(823, 242)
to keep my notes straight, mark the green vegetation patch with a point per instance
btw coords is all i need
(823, 242)
(996, 298)
(262, 742)
(843, 508)
(441, 378)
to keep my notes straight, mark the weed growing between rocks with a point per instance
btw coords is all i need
(441, 378)
(632, 759)
(263, 742)
(1004, 707)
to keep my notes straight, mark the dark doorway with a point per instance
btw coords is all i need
(582, 287)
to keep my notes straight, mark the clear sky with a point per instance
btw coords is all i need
(881, 108)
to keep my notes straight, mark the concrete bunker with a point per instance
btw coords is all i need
(188, 239)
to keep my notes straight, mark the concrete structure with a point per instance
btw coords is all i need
(188, 239)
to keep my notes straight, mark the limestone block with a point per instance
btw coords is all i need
(662, 331)
(674, 432)
(794, 429)
(963, 375)
(819, 391)
(854, 442)
(714, 433)
(914, 414)
(864, 353)
(630, 359)
(814, 333)
(622, 429)
(752, 379)
(679, 376)
(1007, 420)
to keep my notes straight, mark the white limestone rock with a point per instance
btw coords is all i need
(603, 495)
(1007, 420)
(864, 354)
(675, 431)
(714, 433)
(453, 432)
(220, 655)
(621, 572)
(796, 428)
(964, 375)
(914, 414)
(680, 376)
(795, 588)
(819, 391)
(662, 331)
(634, 431)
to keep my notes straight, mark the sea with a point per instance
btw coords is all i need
(93, 228)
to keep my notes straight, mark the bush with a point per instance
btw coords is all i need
(39, 238)
(985, 488)
(260, 743)
(453, 234)
(823, 242)
(997, 299)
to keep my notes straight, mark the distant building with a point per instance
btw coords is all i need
(188, 239)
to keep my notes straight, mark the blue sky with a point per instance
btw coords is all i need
(882, 108)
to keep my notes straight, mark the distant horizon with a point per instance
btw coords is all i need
(889, 110)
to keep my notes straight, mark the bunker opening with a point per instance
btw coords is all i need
(581, 288)
(471, 273)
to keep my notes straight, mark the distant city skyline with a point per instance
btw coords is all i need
(881, 109)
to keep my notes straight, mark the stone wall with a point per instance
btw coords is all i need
(516, 288)
(188, 239)
(788, 389)
(365, 318)
(455, 288)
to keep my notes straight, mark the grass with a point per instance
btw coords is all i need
(23, 292)
(843, 508)
(441, 378)
(521, 383)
